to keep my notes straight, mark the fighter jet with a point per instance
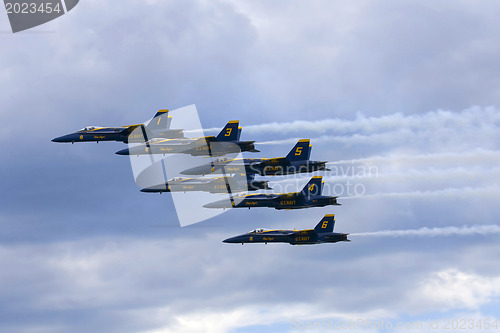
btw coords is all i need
(310, 196)
(322, 233)
(158, 127)
(236, 183)
(297, 161)
(226, 142)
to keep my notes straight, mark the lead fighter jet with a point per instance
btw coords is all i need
(322, 233)
(158, 127)
(310, 196)
(226, 142)
(297, 161)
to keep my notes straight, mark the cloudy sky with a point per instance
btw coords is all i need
(407, 90)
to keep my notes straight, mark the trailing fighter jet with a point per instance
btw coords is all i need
(310, 196)
(297, 161)
(237, 183)
(322, 233)
(158, 127)
(227, 142)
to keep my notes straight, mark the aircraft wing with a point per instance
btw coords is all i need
(261, 196)
(129, 129)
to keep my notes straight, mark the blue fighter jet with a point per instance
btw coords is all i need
(310, 196)
(322, 233)
(158, 127)
(236, 183)
(297, 161)
(226, 142)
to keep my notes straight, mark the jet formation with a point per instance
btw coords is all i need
(238, 174)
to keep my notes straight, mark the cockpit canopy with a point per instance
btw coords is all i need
(89, 128)
(256, 231)
(155, 140)
(175, 179)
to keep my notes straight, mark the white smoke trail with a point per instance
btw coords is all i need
(475, 116)
(477, 155)
(457, 193)
(433, 232)
(371, 139)
(471, 175)
(290, 141)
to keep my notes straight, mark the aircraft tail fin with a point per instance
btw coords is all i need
(230, 132)
(326, 224)
(161, 121)
(301, 151)
(313, 187)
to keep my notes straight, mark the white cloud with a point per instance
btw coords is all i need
(452, 289)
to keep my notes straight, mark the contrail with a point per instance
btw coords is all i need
(446, 231)
(280, 142)
(450, 192)
(488, 116)
(476, 155)
(481, 126)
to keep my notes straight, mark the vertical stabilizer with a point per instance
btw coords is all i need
(300, 152)
(161, 121)
(229, 132)
(313, 187)
(326, 224)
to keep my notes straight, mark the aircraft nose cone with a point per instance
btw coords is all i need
(219, 204)
(232, 240)
(64, 138)
(194, 171)
(156, 189)
(123, 152)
